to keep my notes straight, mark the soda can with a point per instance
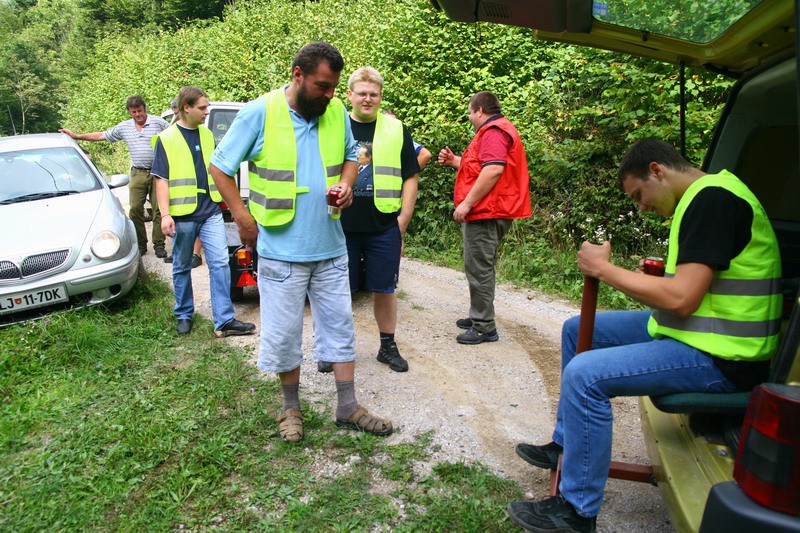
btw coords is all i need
(333, 196)
(653, 266)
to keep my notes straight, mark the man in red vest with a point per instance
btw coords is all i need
(492, 189)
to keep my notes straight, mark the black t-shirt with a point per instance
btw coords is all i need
(205, 207)
(362, 216)
(715, 229)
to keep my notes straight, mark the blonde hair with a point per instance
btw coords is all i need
(365, 74)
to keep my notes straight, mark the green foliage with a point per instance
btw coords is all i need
(577, 109)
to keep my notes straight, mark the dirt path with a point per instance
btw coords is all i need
(480, 400)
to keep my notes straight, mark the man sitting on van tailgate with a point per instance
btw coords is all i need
(713, 328)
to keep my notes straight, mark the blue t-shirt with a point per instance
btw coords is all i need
(311, 235)
(206, 208)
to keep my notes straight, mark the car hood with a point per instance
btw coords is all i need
(49, 224)
(765, 32)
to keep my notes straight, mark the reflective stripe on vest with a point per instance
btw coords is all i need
(273, 174)
(387, 178)
(183, 189)
(739, 317)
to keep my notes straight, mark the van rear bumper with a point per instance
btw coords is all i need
(729, 509)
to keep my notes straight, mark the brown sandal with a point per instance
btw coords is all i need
(361, 420)
(290, 425)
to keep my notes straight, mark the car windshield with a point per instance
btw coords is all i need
(44, 173)
(692, 20)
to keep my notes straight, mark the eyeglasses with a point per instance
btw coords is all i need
(364, 95)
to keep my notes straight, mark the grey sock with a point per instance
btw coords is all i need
(291, 396)
(347, 405)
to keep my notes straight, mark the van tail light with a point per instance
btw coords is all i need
(223, 206)
(767, 464)
(244, 257)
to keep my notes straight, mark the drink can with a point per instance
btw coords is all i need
(653, 266)
(333, 196)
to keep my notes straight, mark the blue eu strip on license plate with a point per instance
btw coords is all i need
(31, 299)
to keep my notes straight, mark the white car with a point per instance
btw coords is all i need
(66, 241)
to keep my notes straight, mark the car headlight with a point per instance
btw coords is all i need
(105, 244)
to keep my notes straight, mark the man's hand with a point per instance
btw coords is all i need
(461, 212)
(248, 230)
(447, 157)
(167, 225)
(68, 132)
(345, 194)
(594, 258)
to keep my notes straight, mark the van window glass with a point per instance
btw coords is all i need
(692, 20)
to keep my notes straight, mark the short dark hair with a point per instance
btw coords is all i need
(135, 101)
(311, 55)
(189, 96)
(486, 101)
(636, 161)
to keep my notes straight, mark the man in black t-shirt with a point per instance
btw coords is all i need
(190, 209)
(713, 327)
(384, 196)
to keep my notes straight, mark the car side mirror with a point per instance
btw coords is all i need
(118, 180)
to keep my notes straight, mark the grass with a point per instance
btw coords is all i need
(110, 422)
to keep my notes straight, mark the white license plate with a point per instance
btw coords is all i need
(31, 299)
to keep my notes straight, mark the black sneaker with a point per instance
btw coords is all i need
(234, 327)
(161, 252)
(184, 326)
(390, 355)
(464, 323)
(168, 259)
(554, 514)
(473, 336)
(542, 456)
(196, 260)
(324, 367)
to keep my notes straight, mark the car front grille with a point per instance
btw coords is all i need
(32, 265)
(9, 270)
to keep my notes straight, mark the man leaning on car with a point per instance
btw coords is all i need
(137, 133)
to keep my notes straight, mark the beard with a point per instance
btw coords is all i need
(313, 107)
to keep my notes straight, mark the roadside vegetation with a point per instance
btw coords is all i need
(109, 422)
(576, 109)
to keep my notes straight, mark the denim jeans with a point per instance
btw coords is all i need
(624, 361)
(283, 287)
(212, 234)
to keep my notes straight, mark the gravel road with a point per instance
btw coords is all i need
(479, 400)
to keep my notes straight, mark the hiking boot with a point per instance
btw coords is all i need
(184, 326)
(464, 323)
(196, 260)
(234, 327)
(390, 355)
(542, 456)
(473, 336)
(324, 367)
(554, 514)
(161, 252)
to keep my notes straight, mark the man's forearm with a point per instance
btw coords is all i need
(486, 181)
(162, 195)
(226, 185)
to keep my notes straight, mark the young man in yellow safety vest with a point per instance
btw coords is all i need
(189, 202)
(384, 196)
(713, 328)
